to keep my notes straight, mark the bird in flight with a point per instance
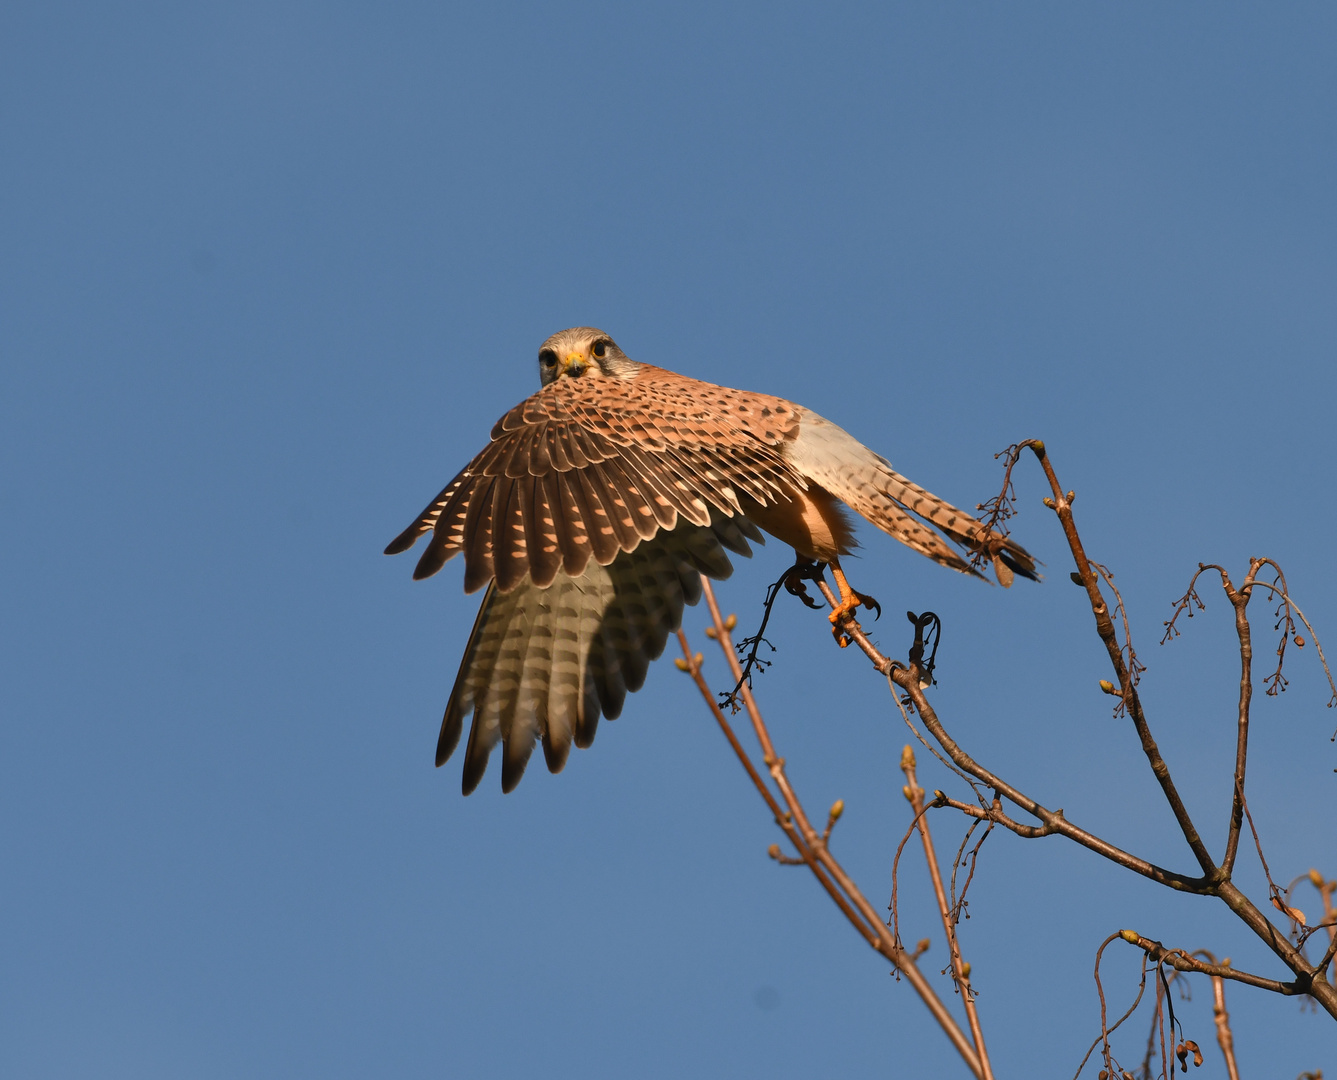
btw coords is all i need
(599, 502)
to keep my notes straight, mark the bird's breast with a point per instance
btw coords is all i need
(814, 523)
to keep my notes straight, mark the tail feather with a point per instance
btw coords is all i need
(866, 482)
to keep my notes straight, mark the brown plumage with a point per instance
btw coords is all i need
(597, 505)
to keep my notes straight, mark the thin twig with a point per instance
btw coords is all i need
(1182, 961)
(945, 762)
(1332, 686)
(753, 644)
(1061, 504)
(959, 902)
(1224, 1037)
(1135, 666)
(960, 969)
(1103, 1039)
(995, 512)
(894, 905)
(1297, 917)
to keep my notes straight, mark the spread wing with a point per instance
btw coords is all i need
(832, 458)
(543, 663)
(590, 468)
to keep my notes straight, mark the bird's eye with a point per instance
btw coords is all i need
(599, 348)
(548, 358)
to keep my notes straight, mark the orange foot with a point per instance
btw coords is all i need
(844, 612)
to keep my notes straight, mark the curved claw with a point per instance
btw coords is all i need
(794, 579)
(867, 601)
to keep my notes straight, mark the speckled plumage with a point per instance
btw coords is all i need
(598, 503)
(588, 468)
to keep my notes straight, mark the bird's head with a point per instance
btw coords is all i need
(583, 352)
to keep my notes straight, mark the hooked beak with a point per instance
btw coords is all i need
(573, 364)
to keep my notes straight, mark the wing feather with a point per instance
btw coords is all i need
(543, 664)
(615, 462)
(829, 456)
(478, 533)
(510, 549)
(572, 532)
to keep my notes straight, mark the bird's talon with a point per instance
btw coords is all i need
(845, 609)
(797, 576)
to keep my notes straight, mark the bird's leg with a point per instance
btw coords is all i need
(849, 600)
(802, 570)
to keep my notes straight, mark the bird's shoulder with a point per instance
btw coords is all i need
(653, 408)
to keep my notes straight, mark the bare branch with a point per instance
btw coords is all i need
(959, 902)
(1103, 1039)
(995, 815)
(1182, 961)
(1061, 504)
(810, 845)
(1135, 666)
(1239, 600)
(1224, 1037)
(1188, 602)
(960, 969)
(908, 679)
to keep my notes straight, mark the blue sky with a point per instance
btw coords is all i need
(270, 272)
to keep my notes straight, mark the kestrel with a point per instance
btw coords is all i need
(597, 505)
